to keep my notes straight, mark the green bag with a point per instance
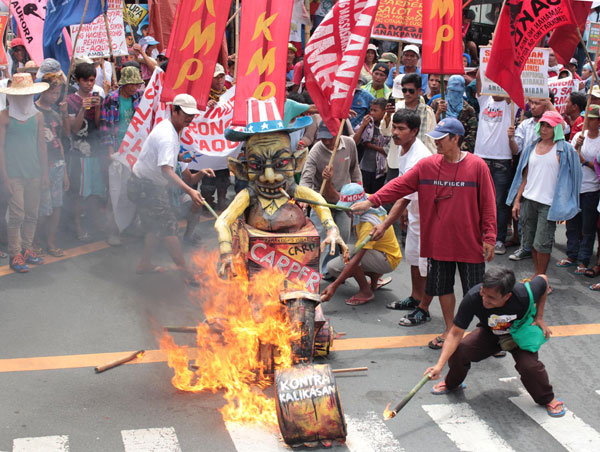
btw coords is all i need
(527, 336)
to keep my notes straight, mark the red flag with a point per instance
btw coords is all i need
(335, 55)
(194, 48)
(521, 26)
(565, 38)
(442, 37)
(161, 18)
(262, 59)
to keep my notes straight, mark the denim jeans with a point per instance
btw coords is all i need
(581, 229)
(501, 171)
(343, 222)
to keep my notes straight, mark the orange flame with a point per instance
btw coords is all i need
(387, 414)
(243, 317)
(139, 355)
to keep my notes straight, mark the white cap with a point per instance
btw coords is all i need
(573, 61)
(187, 104)
(218, 70)
(596, 91)
(412, 48)
(374, 48)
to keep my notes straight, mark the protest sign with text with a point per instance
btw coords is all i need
(93, 41)
(335, 55)
(562, 89)
(534, 76)
(399, 21)
(442, 37)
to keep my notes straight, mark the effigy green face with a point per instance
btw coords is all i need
(270, 163)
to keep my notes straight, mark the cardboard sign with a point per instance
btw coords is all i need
(93, 41)
(593, 42)
(135, 13)
(399, 21)
(562, 89)
(534, 76)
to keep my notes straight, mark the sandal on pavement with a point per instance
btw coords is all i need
(441, 388)
(383, 281)
(559, 404)
(356, 301)
(566, 262)
(437, 343)
(403, 305)
(56, 252)
(416, 317)
(580, 270)
(595, 287)
(593, 272)
(3, 255)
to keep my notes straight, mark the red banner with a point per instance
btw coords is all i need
(565, 38)
(264, 34)
(3, 22)
(521, 26)
(335, 55)
(442, 37)
(194, 48)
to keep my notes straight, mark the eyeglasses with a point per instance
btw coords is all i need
(409, 90)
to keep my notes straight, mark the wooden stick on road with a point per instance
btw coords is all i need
(335, 148)
(119, 362)
(349, 369)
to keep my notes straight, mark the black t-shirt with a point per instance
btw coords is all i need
(498, 320)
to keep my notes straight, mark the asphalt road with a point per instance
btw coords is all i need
(94, 303)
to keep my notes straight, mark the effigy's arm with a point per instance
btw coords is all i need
(324, 214)
(223, 227)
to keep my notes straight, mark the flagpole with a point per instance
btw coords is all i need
(594, 81)
(129, 23)
(110, 48)
(335, 148)
(237, 38)
(87, 2)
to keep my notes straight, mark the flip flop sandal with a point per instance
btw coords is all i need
(595, 287)
(438, 344)
(56, 252)
(565, 263)
(383, 281)
(445, 390)
(593, 272)
(356, 301)
(559, 403)
(580, 270)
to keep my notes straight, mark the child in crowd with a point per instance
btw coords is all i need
(23, 167)
(374, 145)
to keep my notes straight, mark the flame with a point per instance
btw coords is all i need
(139, 355)
(242, 316)
(387, 414)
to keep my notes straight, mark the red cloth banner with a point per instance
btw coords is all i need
(521, 26)
(262, 59)
(335, 55)
(194, 47)
(565, 38)
(442, 37)
(3, 22)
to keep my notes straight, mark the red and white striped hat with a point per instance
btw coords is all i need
(264, 117)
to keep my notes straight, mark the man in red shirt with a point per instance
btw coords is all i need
(458, 215)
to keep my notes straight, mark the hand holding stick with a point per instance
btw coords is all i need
(209, 208)
(387, 414)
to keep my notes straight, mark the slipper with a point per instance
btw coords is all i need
(439, 341)
(383, 281)
(156, 269)
(595, 287)
(593, 272)
(566, 262)
(559, 403)
(580, 270)
(356, 301)
(56, 252)
(441, 389)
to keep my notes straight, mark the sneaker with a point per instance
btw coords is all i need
(520, 254)
(31, 258)
(407, 304)
(499, 248)
(17, 263)
(417, 317)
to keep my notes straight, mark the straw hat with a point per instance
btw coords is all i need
(22, 85)
(30, 68)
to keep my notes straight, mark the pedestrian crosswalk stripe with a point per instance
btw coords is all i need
(370, 434)
(42, 443)
(598, 392)
(465, 428)
(569, 430)
(151, 440)
(255, 437)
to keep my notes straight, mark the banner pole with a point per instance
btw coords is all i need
(442, 93)
(512, 113)
(87, 2)
(594, 81)
(110, 48)
(127, 19)
(233, 16)
(335, 148)
(237, 38)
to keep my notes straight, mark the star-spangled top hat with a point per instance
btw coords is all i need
(264, 117)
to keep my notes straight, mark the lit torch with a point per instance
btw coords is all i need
(387, 414)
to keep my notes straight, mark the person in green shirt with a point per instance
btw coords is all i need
(377, 86)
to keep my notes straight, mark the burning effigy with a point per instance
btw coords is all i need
(261, 302)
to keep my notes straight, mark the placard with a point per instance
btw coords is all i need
(399, 21)
(562, 89)
(93, 41)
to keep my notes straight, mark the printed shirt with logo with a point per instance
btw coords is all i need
(492, 137)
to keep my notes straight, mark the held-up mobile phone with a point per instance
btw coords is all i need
(391, 101)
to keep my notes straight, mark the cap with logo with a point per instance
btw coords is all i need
(594, 111)
(445, 127)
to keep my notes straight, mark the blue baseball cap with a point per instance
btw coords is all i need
(351, 193)
(447, 126)
(148, 41)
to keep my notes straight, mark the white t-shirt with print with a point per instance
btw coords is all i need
(494, 120)
(160, 148)
(589, 151)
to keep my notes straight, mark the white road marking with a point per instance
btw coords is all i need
(151, 440)
(574, 434)
(370, 434)
(508, 379)
(256, 437)
(41, 443)
(466, 429)
(598, 392)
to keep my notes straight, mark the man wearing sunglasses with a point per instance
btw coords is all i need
(458, 215)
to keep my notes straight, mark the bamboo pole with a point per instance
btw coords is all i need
(443, 94)
(335, 148)
(324, 204)
(512, 113)
(594, 81)
(87, 2)
(233, 16)
(390, 414)
(237, 39)
(118, 362)
(349, 369)
(110, 48)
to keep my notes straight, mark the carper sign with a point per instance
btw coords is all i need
(306, 386)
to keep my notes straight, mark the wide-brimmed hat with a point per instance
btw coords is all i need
(30, 67)
(264, 117)
(130, 76)
(22, 85)
(187, 103)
